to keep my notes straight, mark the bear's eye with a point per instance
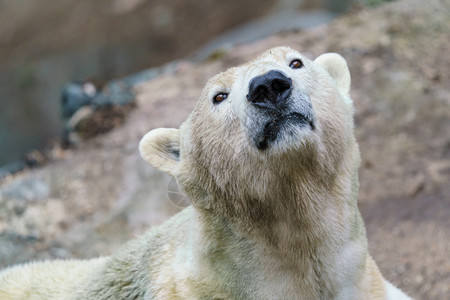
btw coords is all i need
(219, 98)
(296, 64)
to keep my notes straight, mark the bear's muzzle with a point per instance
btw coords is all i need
(270, 90)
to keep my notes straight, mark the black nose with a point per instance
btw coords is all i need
(269, 89)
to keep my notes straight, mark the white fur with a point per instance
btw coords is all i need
(336, 66)
(393, 293)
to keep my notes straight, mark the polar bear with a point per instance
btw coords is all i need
(269, 160)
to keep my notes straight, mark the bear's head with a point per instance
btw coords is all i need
(276, 128)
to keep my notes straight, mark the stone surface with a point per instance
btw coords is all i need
(102, 193)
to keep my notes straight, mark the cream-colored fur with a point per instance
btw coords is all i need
(274, 212)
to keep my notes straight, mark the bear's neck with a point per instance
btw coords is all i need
(300, 215)
(305, 245)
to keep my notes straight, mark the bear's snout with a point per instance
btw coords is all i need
(269, 90)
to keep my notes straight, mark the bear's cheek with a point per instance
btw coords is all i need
(215, 140)
(333, 132)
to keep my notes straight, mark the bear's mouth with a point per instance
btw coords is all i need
(280, 123)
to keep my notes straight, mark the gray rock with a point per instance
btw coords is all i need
(74, 96)
(28, 189)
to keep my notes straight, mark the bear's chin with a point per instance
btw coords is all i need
(284, 132)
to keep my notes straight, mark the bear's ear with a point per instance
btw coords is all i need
(336, 66)
(161, 148)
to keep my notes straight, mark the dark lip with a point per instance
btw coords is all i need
(272, 128)
(298, 117)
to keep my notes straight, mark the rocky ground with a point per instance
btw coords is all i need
(93, 198)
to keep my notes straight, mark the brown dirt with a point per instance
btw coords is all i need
(97, 196)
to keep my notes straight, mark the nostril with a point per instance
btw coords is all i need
(261, 92)
(280, 85)
(258, 93)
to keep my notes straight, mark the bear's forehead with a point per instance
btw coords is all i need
(227, 77)
(273, 54)
(280, 54)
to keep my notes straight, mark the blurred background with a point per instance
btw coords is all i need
(82, 81)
